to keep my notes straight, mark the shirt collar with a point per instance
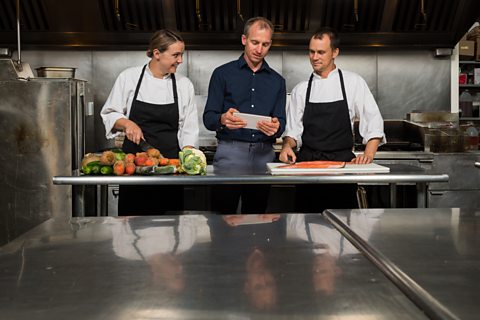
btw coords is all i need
(149, 72)
(331, 74)
(242, 63)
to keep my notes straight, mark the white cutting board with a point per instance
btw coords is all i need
(349, 168)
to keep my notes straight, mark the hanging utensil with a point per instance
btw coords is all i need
(24, 72)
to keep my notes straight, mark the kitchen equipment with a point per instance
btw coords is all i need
(144, 145)
(46, 127)
(56, 72)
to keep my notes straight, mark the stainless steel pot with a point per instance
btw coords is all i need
(56, 72)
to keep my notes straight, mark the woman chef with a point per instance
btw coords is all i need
(150, 103)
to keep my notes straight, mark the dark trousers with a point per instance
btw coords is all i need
(237, 158)
(254, 198)
(149, 200)
(315, 198)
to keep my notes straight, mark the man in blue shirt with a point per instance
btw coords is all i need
(246, 85)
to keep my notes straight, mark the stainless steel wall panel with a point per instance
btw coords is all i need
(399, 80)
(35, 125)
(363, 63)
(81, 60)
(296, 68)
(202, 63)
(412, 80)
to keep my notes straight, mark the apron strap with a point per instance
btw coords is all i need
(139, 82)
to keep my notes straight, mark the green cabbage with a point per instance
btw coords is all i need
(193, 161)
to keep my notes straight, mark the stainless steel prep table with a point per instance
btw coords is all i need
(434, 254)
(193, 267)
(399, 174)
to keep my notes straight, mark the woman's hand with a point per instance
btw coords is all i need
(131, 129)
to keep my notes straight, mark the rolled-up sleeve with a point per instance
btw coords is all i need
(115, 107)
(371, 121)
(188, 122)
(295, 110)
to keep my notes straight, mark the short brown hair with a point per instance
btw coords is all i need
(331, 33)
(264, 24)
(161, 40)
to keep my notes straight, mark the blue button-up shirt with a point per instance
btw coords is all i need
(235, 85)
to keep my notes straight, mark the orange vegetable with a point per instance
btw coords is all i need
(155, 153)
(149, 162)
(130, 168)
(130, 157)
(174, 162)
(119, 168)
(140, 160)
(163, 161)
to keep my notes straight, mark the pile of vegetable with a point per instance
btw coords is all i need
(193, 161)
(117, 162)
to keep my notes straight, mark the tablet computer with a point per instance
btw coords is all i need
(251, 119)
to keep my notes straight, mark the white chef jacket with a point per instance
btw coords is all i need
(156, 91)
(143, 243)
(331, 238)
(361, 104)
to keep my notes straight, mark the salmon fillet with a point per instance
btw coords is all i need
(321, 164)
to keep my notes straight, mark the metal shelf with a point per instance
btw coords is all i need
(469, 85)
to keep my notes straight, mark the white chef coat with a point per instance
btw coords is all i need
(156, 91)
(143, 243)
(331, 239)
(361, 104)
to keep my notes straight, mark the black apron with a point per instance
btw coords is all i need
(327, 131)
(159, 124)
(327, 135)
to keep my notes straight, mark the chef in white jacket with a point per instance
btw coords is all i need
(320, 120)
(160, 243)
(328, 244)
(153, 103)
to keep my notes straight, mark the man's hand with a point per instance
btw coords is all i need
(230, 121)
(287, 155)
(362, 159)
(269, 128)
(369, 154)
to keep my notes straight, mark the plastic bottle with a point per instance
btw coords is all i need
(472, 138)
(466, 104)
(476, 105)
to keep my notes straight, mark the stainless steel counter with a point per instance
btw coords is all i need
(194, 267)
(433, 254)
(399, 174)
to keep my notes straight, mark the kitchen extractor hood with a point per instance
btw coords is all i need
(217, 24)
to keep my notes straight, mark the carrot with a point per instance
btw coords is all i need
(163, 161)
(314, 165)
(174, 162)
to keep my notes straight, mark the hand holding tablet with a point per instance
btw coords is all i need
(251, 119)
